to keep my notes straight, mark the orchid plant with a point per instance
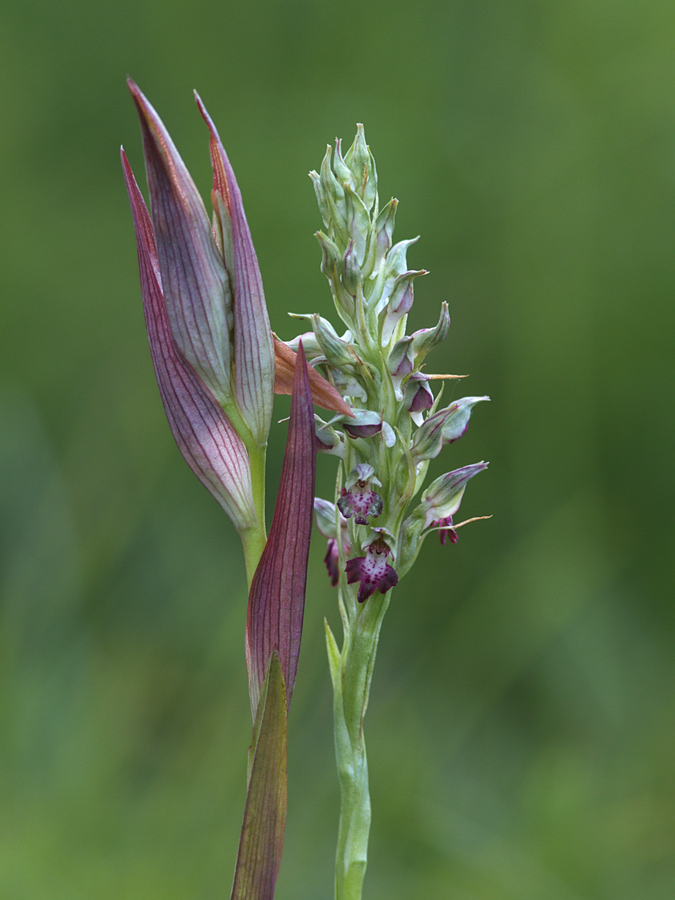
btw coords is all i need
(218, 365)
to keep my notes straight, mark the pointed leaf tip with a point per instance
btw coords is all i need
(194, 280)
(253, 349)
(277, 597)
(323, 392)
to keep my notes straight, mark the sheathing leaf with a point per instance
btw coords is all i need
(194, 279)
(262, 831)
(212, 448)
(253, 350)
(277, 597)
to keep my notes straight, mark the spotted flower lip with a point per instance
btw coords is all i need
(372, 570)
(358, 497)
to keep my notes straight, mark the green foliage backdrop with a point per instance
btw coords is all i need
(522, 725)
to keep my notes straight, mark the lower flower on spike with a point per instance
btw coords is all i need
(372, 570)
(332, 561)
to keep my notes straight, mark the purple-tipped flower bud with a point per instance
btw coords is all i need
(358, 497)
(328, 440)
(443, 497)
(444, 427)
(399, 304)
(400, 364)
(426, 339)
(372, 570)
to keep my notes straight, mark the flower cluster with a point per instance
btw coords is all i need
(398, 424)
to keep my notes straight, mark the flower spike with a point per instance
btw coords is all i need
(205, 436)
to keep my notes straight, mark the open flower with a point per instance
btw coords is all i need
(358, 497)
(372, 570)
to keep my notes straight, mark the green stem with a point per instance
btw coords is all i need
(254, 539)
(352, 673)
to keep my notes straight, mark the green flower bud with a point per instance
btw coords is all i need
(362, 165)
(331, 259)
(443, 427)
(334, 194)
(321, 198)
(384, 231)
(342, 171)
(426, 339)
(358, 223)
(444, 495)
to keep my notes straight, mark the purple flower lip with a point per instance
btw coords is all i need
(358, 497)
(372, 570)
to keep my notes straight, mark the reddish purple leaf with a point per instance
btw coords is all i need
(212, 448)
(194, 279)
(253, 350)
(277, 598)
(262, 831)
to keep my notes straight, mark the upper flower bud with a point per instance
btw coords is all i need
(443, 427)
(444, 495)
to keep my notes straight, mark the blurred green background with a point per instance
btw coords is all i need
(522, 724)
